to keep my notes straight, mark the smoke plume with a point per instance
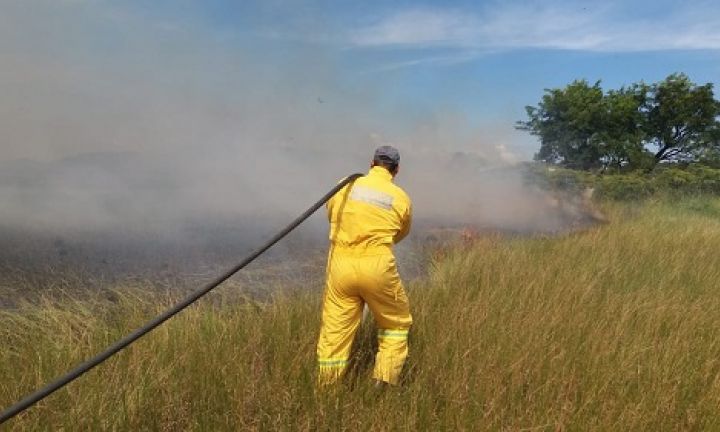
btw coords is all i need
(113, 120)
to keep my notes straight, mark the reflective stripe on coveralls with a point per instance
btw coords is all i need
(392, 334)
(365, 221)
(332, 362)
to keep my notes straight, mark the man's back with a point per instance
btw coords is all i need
(369, 215)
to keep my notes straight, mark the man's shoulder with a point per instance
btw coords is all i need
(400, 193)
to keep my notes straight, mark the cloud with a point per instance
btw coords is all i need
(418, 27)
(459, 56)
(560, 26)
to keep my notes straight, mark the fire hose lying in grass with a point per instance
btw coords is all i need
(79, 370)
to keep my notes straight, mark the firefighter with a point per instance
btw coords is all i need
(367, 217)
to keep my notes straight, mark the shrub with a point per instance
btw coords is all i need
(675, 180)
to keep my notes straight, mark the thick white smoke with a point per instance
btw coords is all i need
(109, 119)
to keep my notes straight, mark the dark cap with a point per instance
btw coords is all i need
(387, 154)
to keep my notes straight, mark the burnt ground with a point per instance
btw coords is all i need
(36, 262)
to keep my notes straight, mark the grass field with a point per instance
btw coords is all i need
(613, 328)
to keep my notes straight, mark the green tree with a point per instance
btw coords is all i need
(583, 127)
(566, 120)
(620, 136)
(681, 119)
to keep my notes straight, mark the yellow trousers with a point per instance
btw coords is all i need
(352, 281)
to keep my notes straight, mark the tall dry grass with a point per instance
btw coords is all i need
(614, 328)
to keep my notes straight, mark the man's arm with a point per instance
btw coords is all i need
(406, 222)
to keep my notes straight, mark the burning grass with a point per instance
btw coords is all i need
(613, 328)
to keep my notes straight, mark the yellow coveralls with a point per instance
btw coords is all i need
(366, 218)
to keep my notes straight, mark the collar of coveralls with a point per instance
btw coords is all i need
(378, 171)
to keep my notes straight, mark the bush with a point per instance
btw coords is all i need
(625, 186)
(676, 180)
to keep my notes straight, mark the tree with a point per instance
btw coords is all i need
(583, 127)
(621, 135)
(681, 119)
(566, 121)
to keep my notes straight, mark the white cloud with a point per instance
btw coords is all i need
(460, 56)
(570, 27)
(418, 27)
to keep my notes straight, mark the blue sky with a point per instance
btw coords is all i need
(392, 67)
(482, 60)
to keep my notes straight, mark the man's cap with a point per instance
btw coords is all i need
(387, 154)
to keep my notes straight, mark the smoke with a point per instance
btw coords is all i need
(111, 119)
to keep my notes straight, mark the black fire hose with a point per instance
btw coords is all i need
(60, 382)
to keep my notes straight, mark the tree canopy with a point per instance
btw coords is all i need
(583, 127)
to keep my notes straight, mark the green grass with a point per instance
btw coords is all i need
(613, 328)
